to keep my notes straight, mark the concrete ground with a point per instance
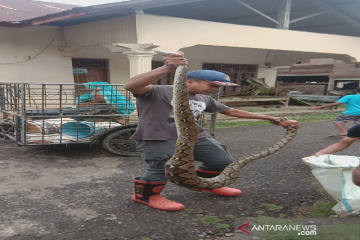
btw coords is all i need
(83, 193)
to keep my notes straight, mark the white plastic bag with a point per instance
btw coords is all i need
(334, 172)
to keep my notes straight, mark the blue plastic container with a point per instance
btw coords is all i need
(79, 129)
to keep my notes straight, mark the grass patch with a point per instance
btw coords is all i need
(323, 209)
(230, 216)
(271, 207)
(261, 109)
(315, 117)
(351, 231)
(210, 219)
(300, 118)
(259, 212)
(223, 226)
(315, 104)
(240, 124)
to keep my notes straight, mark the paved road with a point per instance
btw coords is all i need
(84, 193)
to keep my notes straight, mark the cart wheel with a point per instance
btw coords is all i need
(118, 142)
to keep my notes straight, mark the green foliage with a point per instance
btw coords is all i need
(230, 216)
(261, 109)
(223, 226)
(335, 232)
(259, 212)
(323, 209)
(316, 117)
(210, 219)
(300, 118)
(265, 91)
(271, 207)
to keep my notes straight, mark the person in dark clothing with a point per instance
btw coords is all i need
(352, 135)
(352, 112)
(156, 132)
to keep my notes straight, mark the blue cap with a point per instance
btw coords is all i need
(215, 77)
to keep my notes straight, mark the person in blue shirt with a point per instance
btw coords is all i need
(103, 91)
(351, 113)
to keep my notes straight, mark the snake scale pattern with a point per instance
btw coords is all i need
(180, 169)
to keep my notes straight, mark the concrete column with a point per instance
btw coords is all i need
(140, 56)
(140, 61)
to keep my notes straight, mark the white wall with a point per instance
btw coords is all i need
(197, 55)
(118, 62)
(201, 41)
(104, 32)
(178, 33)
(18, 44)
(52, 66)
(269, 74)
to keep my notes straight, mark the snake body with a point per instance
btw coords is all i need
(180, 169)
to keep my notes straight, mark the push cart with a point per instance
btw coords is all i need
(33, 114)
(47, 114)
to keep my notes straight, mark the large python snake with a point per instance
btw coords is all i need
(180, 169)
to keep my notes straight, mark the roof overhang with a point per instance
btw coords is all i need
(320, 16)
(95, 13)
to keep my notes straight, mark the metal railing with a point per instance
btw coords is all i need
(64, 113)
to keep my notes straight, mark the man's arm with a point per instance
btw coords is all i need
(343, 144)
(141, 84)
(336, 147)
(243, 114)
(324, 106)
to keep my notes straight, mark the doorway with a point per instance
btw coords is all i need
(89, 70)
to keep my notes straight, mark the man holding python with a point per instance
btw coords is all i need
(156, 133)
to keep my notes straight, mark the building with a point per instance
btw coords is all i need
(113, 42)
(319, 77)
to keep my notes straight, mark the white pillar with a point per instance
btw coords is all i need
(140, 61)
(140, 56)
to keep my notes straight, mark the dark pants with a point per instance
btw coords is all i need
(211, 153)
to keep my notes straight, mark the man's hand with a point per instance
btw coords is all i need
(286, 123)
(172, 61)
(321, 152)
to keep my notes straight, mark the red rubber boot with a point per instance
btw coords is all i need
(223, 191)
(149, 194)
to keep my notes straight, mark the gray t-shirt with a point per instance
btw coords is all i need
(156, 117)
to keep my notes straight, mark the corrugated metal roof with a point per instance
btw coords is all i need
(20, 10)
(230, 11)
(351, 10)
(225, 11)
